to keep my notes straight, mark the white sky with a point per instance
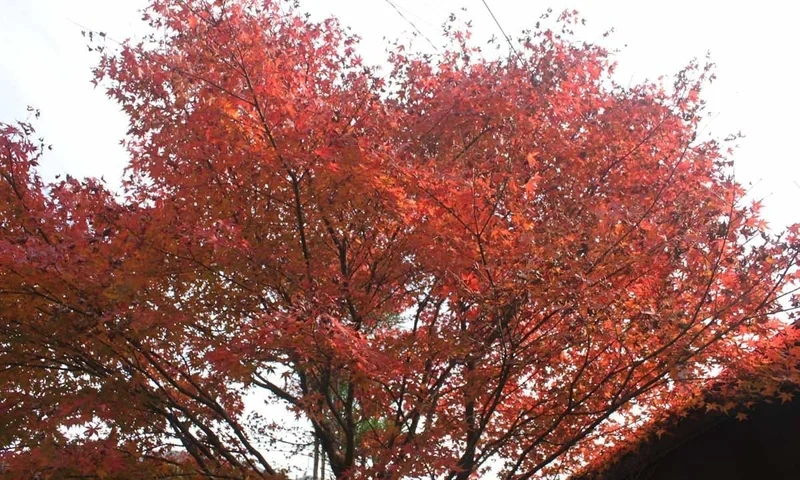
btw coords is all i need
(44, 62)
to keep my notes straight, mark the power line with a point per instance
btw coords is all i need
(418, 17)
(411, 23)
(508, 39)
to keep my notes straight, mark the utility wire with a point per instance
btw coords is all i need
(411, 23)
(418, 17)
(508, 39)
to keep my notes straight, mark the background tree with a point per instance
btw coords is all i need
(465, 263)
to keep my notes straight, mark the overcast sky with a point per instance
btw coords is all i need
(44, 62)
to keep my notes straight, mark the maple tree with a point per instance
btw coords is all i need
(463, 264)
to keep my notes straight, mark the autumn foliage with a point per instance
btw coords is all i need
(456, 264)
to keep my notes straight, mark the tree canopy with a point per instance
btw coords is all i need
(460, 264)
